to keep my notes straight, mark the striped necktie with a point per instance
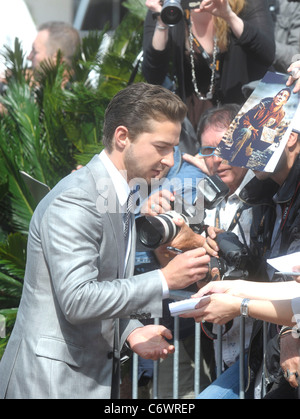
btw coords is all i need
(129, 211)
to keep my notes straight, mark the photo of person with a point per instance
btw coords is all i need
(258, 134)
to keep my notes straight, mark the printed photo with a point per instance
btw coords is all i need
(258, 134)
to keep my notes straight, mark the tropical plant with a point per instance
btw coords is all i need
(48, 128)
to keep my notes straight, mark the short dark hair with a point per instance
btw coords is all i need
(136, 105)
(221, 117)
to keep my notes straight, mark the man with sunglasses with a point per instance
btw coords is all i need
(212, 127)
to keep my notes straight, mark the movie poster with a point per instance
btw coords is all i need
(258, 135)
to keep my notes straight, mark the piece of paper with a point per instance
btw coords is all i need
(285, 264)
(37, 189)
(184, 306)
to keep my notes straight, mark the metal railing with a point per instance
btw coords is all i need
(197, 361)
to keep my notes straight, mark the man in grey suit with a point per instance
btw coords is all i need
(81, 302)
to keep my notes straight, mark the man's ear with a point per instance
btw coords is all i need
(121, 137)
(293, 140)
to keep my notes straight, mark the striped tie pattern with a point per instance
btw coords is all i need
(129, 211)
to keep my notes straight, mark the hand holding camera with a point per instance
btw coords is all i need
(186, 269)
(154, 6)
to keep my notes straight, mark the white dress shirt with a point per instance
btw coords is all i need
(122, 190)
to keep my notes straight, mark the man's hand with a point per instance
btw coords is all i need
(197, 161)
(149, 342)
(186, 269)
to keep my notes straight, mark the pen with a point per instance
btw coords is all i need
(288, 273)
(175, 250)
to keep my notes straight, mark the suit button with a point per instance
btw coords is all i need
(110, 355)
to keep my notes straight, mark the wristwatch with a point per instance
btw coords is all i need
(244, 307)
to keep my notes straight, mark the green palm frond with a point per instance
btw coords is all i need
(12, 269)
(15, 61)
(10, 318)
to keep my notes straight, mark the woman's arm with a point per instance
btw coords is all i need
(221, 308)
(258, 35)
(156, 49)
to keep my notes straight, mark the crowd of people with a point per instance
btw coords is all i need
(91, 293)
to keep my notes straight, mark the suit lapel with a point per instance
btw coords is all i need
(108, 203)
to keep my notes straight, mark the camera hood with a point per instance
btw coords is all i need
(172, 11)
(213, 190)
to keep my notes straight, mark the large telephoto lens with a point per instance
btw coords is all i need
(172, 12)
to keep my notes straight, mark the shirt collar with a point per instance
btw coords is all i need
(119, 182)
(249, 175)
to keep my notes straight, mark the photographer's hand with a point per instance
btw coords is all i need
(185, 240)
(222, 9)
(161, 32)
(158, 203)
(154, 5)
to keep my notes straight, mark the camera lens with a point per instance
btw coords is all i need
(172, 12)
(149, 236)
(155, 231)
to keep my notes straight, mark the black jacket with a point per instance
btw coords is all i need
(288, 196)
(247, 59)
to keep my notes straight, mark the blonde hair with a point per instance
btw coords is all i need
(222, 28)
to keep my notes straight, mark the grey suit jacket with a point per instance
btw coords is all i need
(68, 333)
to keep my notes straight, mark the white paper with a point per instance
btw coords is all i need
(184, 306)
(285, 264)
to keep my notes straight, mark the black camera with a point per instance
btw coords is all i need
(172, 11)
(233, 261)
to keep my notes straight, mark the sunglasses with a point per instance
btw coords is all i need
(207, 151)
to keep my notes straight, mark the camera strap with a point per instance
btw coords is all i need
(236, 219)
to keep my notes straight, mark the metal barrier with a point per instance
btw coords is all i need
(197, 361)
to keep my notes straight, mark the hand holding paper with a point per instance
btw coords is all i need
(184, 306)
(285, 264)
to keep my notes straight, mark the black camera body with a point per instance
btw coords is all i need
(172, 11)
(233, 258)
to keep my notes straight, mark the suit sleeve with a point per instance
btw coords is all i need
(75, 245)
